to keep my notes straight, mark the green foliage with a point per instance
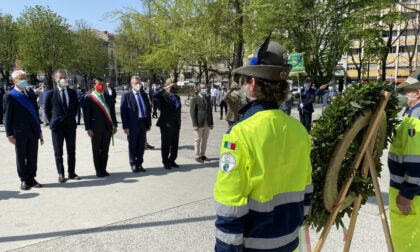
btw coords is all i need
(8, 44)
(44, 38)
(90, 56)
(327, 132)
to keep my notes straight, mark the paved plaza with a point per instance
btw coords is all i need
(160, 210)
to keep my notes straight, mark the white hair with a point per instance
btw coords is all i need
(17, 74)
(135, 77)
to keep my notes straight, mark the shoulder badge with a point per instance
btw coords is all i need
(411, 132)
(227, 162)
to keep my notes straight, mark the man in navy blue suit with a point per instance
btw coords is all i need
(136, 120)
(61, 110)
(23, 129)
(306, 97)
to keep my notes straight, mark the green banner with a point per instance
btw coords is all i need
(296, 60)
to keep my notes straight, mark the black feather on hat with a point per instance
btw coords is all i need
(270, 63)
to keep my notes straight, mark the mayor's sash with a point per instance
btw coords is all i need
(99, 100)
(26, 104)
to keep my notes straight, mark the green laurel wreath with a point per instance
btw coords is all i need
(327, 132)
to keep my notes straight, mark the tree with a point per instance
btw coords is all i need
(44, 41)
(8, 45)
(90, 54)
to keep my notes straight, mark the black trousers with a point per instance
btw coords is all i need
(1, 111)
(223, 104)
(79, 112)
(58, 138)
(136, 143)
(306, 120)
(26, 157)
(100, 148)
(170, 141)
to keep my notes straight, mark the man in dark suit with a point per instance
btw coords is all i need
(80, 100)
(111, 91)
(23, 129)
(169, 122)
(306, 97)
(154, 103)
(136, 120)
(202, 119)
(61, 110)
(2, 93)
(100, 124)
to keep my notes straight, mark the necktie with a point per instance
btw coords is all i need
(63, 95)
(142, 114)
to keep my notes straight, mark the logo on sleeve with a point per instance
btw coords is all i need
(229, 145)
(411, 132)
(227, 162)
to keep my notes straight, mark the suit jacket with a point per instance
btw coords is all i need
(130, 110)
(59, 118)
(17, 120)
(114, 94)
(234, 104)
(95, 118)
(308, 98)
(170, 115)
(326, 95)
(201, 111)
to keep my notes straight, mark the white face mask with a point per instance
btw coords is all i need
(330, 88)
(62, 83)
(305, 85)
(137, 87)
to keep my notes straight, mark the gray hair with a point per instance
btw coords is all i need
(135, 77)
(61, 72)
(18, 73)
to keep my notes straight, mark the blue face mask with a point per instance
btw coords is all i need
(22, 84)
(203, 91)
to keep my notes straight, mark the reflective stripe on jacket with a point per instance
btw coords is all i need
(264, 183)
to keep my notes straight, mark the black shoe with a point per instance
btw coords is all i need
(199, 159)
(167, 166)
(100, 175)
(174, 165)
(134, 169)
(61, 179)
(74, 176)
(25, 186)
(204, 158)
(141, 169)
(149, 147)
(106, 174)
(36, 184)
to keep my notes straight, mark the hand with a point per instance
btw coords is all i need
(404, 204)
(90, 133)
(115, 130)
(195, 128)
(299, 90)
(323, 86)
(127, 131)
(211, 127)
(301, 105)
(41, 140)
(12, 139)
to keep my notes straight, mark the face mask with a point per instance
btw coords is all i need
(99, 87)
(289, 96)
(411, 99)
(62, 82)
(22, 84)
(203, 91)
(306, 85)
(330, 88)
(137, 87)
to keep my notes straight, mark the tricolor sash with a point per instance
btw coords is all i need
(26, 104)
(98, 99)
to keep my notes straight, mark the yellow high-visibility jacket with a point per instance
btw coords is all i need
(404, 167)
(264, 183)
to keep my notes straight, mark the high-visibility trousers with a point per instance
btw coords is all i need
(405, 229)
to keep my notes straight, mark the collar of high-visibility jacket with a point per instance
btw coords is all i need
(256, 106)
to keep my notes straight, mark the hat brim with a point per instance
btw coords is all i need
(411, 83)
(265, 72)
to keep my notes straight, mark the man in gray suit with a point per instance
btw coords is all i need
(202, 118)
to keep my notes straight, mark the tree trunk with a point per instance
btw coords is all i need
(48, 78)
(239, 42)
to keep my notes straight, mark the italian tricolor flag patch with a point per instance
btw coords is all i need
(229, 145)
